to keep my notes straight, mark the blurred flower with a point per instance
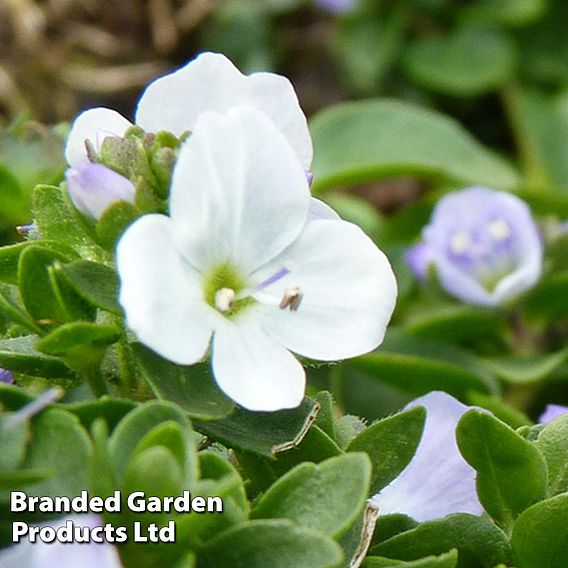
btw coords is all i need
(174, 102)
(438, 481)
(336, 6)
(551, 412)
(94, 187)
(55, 554)
(238, 265)
(6, 376)
(484, 244)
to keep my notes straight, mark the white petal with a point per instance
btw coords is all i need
(238, 192)
(320, 210)
(348, 287)
(161, 294)
(438, 481)
(94, 125)
(212, 83)
(254, 370)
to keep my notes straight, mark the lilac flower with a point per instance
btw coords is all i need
(239, 270)
(484, 244)
(551, 412)
(63, 555)
(6, 376)
(94, 187)
(336, 6)
(438, 481)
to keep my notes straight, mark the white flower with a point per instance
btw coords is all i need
(237, 265)
(174, 102)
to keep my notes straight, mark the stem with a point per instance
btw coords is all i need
(96, 381)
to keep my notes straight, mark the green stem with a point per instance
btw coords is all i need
(96, 380)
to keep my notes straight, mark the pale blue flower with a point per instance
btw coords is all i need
(63, 555)
(438, 481)
(93, 188)
(484, 244)
(551, 412)
(6, 376)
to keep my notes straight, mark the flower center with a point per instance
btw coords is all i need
(222, 290)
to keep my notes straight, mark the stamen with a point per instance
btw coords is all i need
(224, 299)
(274, 278)
(499, 230)
(292, 298)
(460, 242)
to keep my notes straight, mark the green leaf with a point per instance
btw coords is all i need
(355, 542)
(114, 221)
(511, 472)
(61, 444)
(58, 220)
(544, 46)
(136, 425)
(391, 444)
(478, 541)
(36, 288)
(264, 433)
(192, 387)
(77, 334)
(470, 62)
(10, 308)
(303, 495)
(540, 535)
(448, 560)
(156, 472)
(325, 418)
(514, 13)
(499, 408)
(357, 35)
(274, 543)
(419, 375)
(14, 436)
(19, 354)
(553, 444)
(550, 298)
(526, 370)
(541, 127)
(96, 283)
(363, 141)
(172, 436)
(112, 410)
(455, 324)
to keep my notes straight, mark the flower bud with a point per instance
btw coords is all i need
(94, 187)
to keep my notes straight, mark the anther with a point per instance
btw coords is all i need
(224, 299)
(292, 298)
(499, 230)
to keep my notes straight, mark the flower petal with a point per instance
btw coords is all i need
(63, 555)
(551, 412)
(94, 125)
(161, 293)
(239, 193)
(94, 187)
(348, 287)
(254, 370)
(438, 481)
(212, 83)
(320, 210)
